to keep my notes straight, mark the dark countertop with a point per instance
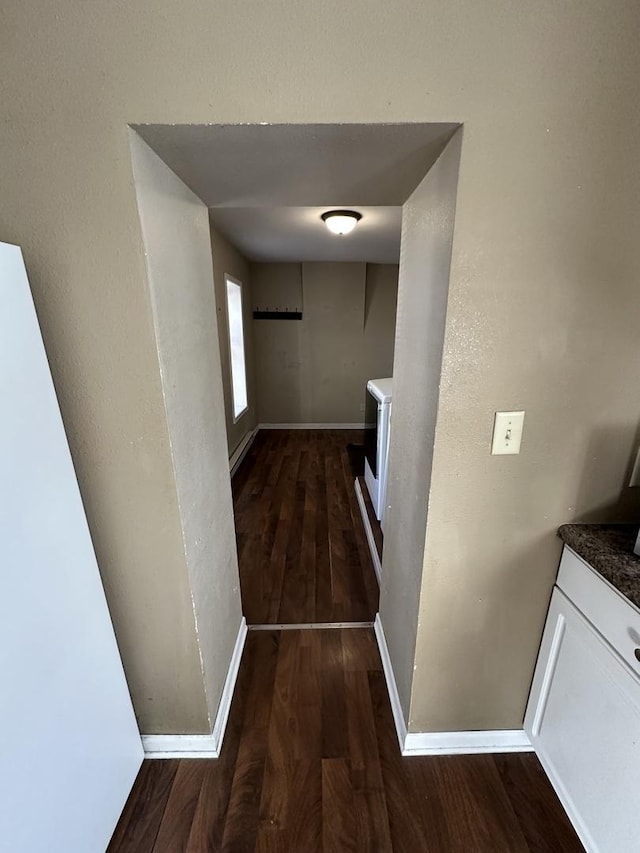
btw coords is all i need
(608, 548)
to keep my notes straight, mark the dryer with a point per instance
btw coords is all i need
(376, 443)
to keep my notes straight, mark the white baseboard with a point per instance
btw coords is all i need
(466, 743)
(209, 745)
(369, 532)
(241, 450)
(443, 743)
(309, 626)
(311, 426)
(392, 689)
(224, 707)
(179, 746)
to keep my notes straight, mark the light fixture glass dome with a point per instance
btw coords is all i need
(341, 221)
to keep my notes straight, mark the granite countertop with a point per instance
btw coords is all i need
(608, 548)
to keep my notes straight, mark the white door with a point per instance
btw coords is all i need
(69, 744)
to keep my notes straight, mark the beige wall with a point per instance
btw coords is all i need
(425, 258)
(544, 295)
(315, 370)
(227, 260)
(175, 230)
(380, 304)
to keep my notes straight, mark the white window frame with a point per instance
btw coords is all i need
(229, 279)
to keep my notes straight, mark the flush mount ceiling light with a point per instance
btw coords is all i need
(341, 221)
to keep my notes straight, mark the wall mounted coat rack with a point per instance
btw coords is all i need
(276, 314)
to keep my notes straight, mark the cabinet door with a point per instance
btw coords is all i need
(583, 720)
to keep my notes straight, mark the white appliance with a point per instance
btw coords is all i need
(376, 442)
(69, 734)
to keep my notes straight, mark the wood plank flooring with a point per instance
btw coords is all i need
(311, 763)
(310, 760)
(302, 550)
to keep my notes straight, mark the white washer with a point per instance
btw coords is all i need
(377, 428)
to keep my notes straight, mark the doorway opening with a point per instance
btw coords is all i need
(261, 191)
(317, 331)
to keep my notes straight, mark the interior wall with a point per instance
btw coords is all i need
(543, 300)
(380, 306)
(175, 230)
(315, 370)
(425, 260)
(559, 340)
(227, 260)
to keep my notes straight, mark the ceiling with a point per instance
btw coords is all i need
(266, 185)
(298, 234)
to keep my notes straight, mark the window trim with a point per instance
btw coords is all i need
(229, 278)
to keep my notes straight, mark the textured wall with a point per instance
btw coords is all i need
(380, 302)
(175, 229)
(425, 258)
(544, 295)
(227, 260)
(315, 370)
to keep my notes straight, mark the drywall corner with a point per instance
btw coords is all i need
(425, 261)
(175, 227)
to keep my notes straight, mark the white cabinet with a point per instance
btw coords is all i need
(583, 719)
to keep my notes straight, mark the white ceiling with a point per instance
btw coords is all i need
(298, 234)
(266, 185)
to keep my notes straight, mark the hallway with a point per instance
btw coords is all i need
(310, 761)
(302, 551)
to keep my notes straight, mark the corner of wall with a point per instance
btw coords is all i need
(176, 234)
(425, 264)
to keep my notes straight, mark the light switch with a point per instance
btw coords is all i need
(507, 432)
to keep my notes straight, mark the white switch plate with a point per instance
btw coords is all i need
(507, 433)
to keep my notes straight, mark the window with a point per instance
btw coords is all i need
(236, 347)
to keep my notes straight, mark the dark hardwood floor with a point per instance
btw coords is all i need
(310, 760)
(302, 550)
(311, 763)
